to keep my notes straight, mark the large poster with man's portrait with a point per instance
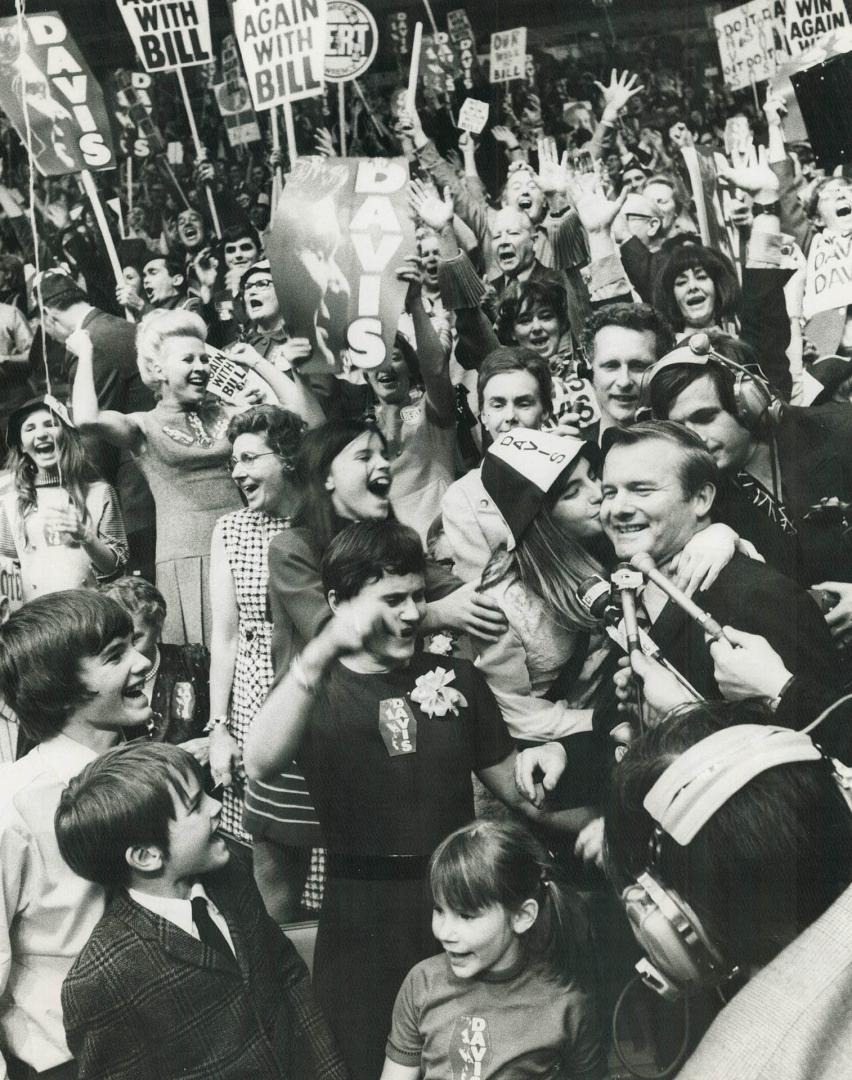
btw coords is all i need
(340, 230)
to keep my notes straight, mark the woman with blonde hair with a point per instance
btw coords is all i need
(181, 448)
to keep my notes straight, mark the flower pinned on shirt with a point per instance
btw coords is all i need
(441, 644)
(435, 696)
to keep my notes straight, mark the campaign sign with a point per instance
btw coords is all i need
(746, 39)
(282, 43)
(397, 24)
(508, 55)
(351, 41)
(464, 43)
(829, 280)
(168, 34)
(339, 231)
(808, 22)
(44, 78)
(232, 97)
(473, 116)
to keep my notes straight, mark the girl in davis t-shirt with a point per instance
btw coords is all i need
(508, 999)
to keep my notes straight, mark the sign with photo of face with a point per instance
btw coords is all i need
(46, 85)
(339, 231)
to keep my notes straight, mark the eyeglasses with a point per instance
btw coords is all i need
(247, 460)
(259, 283)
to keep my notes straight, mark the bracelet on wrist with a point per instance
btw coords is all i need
(220, 721)
(766, 208)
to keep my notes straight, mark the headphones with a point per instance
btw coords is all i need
(754, 401)
(679, 954)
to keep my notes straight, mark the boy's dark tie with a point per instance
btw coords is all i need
(208, 931)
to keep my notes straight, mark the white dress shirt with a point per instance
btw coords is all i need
(46, 912)
(179, 911)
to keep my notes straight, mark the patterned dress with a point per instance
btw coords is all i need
(246, 535)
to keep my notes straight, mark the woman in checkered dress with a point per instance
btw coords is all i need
(264, 440)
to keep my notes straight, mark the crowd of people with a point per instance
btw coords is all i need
(535, 633)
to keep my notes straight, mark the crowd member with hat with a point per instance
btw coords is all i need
(61, 524)
(547, 668)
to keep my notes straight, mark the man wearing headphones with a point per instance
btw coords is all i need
(730, 841)
(787, 471)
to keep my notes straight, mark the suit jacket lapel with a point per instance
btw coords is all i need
(181, 946)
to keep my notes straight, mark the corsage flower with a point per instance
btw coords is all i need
(435, 696)
(441, 644)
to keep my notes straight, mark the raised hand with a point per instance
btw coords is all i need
(595, 210)
(551, 173)
(620, 90)
(323, 144)
(680, 135)
(80, 343)
(432, 211)
(356, 621)
(757, 180)
(774, 110)
(127, 297)
(505, 135)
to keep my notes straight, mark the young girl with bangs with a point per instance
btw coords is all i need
(511, 995)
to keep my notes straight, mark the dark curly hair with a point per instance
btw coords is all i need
(718, 268)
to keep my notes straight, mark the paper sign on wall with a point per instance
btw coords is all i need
(508, 55)
(168, 35)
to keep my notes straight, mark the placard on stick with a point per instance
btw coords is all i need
(746, 40)
(508, 55)
(167, 34)
(45, 79)
(473, 116)
(282, 43)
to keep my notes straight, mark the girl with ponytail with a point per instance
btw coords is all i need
(511, 994)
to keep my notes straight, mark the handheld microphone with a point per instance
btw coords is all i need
(595, 595)
(627, 581)
(643, 561)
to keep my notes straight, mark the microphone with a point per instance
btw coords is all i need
(643, 562)
(627, 580)
(595, 595)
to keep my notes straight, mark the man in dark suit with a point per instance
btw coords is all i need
(659, 483)
(119, 387)
(186, 974)
(786, 476)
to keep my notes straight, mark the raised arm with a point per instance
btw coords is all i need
(294, 394)
(279, 728)
(114, 427)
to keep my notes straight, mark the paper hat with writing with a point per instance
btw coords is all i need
(17, 418)
(521, 468)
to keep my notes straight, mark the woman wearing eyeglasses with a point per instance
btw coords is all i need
(264, 441)
(180, 447)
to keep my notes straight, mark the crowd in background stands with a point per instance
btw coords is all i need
(355, 608)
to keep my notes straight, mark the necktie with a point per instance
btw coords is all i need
(208, 931)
